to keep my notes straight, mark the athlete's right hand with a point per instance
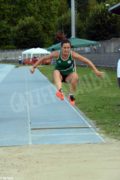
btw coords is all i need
(32, 69)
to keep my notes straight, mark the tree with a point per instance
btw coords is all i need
(28, 33)
(100, 1)
(102, 25)
(64, 24)
(91, 5)
(47, 14)
(54, 20)
(5, 34)
(13, 10)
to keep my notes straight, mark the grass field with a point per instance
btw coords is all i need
(99, 99)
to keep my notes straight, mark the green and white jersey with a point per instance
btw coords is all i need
(65, 66)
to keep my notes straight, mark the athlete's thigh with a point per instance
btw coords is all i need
(72, 76)
(56, 74)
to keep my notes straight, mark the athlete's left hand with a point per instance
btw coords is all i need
(99, 73)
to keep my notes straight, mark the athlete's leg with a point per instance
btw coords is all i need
(73, 80)
(57, 78)
(58, 82)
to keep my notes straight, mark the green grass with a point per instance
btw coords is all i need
(99, 99)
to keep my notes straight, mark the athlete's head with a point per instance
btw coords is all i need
(66, 46)
(65, 41)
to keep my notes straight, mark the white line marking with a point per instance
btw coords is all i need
(28, 111)
(65, 134)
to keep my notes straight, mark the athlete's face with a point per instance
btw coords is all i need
(66, 47)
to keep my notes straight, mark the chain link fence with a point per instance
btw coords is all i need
(99, 59)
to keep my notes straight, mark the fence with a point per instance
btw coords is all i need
(103, 59)
(10, 55)
(99, 59)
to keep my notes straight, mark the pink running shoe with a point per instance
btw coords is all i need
(60, 95)
(71, 100)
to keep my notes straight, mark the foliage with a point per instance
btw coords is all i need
(18, 29)
(80, 27)
(18, 12)
(64, 24)
(100, 1)
(46, 14)
(5, 34)
(28, 33)
(102, 25)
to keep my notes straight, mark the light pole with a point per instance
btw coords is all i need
(72, 18)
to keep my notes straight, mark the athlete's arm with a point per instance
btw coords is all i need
(43, 59)
(83, 59)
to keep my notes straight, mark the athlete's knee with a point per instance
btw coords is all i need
(75, 77)
(56, 73)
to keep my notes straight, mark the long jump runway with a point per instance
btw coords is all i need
(30, 113)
